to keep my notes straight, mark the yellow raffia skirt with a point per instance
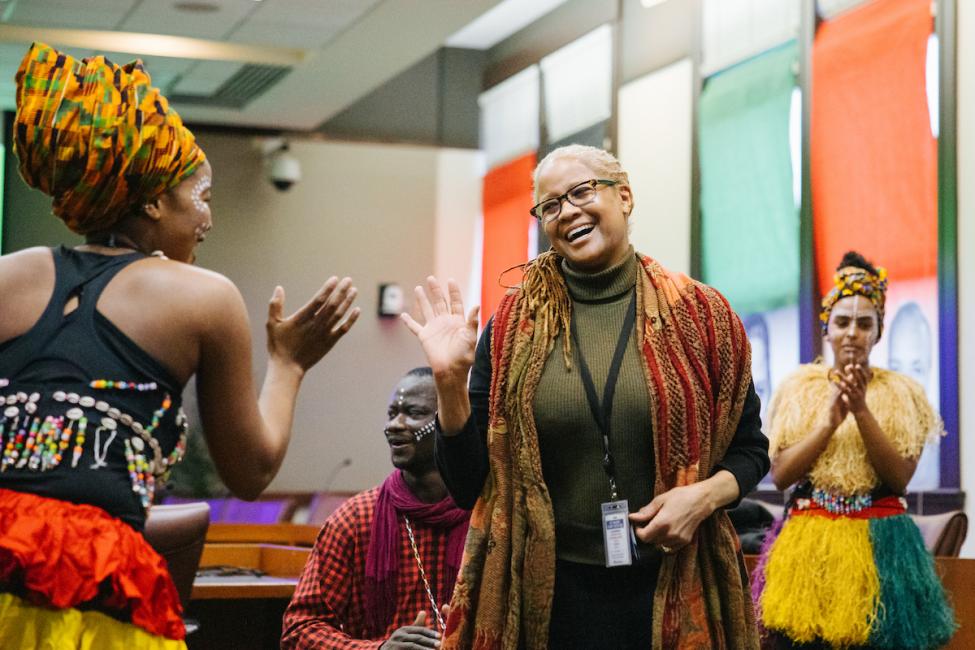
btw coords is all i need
(27, 627)
(852, 580)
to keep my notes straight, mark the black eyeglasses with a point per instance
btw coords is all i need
(578, 195)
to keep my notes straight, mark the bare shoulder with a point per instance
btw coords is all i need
(26, 280)
(188, 298)
(27, 263)
(182, 282)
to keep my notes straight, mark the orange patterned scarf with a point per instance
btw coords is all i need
(697, 367)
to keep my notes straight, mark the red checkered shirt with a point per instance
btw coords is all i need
(328, 606)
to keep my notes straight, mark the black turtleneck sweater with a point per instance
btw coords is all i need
(570, 443)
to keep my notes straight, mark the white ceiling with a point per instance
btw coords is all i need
(350, 46)
(504, 19)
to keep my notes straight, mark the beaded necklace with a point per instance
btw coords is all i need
(423, 575)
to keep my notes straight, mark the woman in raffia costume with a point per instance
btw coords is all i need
(96, 345)
(849, 567)
(538, 447)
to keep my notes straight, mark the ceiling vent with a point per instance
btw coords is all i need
(249, 83)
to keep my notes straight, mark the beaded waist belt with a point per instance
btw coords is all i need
(852, 506)
(38, 441)
(841, 504)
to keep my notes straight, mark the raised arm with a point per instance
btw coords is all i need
(248, 438)
(448, 340)
(462, 458)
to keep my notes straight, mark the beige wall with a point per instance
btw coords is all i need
(655, 125)
(966, 263)
(361, 210)
(457, 236)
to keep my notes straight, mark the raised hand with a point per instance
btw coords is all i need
(448, 337)
(853, 384)
(838, 408)
(413, 637)
(307, 335)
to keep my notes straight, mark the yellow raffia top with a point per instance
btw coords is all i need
(898, 403)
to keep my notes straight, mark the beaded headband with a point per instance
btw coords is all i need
(854, 281)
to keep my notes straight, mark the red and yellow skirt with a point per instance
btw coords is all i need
(852, 579)
(73, 576)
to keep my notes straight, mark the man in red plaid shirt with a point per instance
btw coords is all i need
(385, 562)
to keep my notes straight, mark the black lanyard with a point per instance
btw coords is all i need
(602, 413)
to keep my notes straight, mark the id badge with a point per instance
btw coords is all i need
(617, 533)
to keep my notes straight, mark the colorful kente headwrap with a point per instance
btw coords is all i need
(854, 281)
(97, 137)
(697, 367)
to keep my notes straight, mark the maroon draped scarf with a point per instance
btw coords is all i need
(382, 559)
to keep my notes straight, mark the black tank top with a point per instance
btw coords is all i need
(86, 415)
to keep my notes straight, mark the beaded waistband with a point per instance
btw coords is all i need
(842, 504)
(39, 441)
(875, 508)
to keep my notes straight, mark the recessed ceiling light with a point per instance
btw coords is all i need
(651, 3)
(197, 6)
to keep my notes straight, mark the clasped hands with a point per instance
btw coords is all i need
(850, 396)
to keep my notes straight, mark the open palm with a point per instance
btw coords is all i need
(448, 337)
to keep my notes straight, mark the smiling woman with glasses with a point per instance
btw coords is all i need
(582, 194)
(609, 419)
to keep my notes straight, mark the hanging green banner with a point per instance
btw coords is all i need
(749, 218)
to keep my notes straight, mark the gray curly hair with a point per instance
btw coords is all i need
(600, 161)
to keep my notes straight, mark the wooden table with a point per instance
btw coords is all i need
(244, 612)
(281, 564)
(287, 534)
(958, 577)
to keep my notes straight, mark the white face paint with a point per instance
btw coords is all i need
(856, 312)
(196, 194)
(201, 186)
(852, 330)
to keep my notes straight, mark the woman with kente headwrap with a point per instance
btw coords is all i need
(849, 567)
(96, 345)
(605, 389)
